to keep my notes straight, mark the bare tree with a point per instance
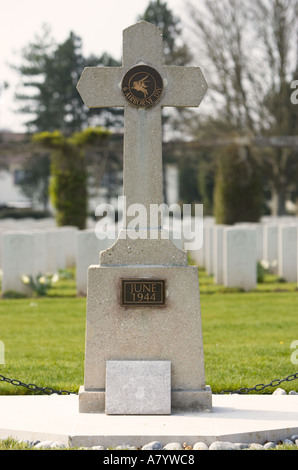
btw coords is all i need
(248, 50)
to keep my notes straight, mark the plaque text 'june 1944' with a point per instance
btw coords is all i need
(143, 292)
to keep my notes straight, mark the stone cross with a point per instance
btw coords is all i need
(143, 85)
(143, 299)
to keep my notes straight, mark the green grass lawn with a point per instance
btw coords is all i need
(247, 336)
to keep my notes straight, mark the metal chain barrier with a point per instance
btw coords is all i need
(260, 387)
(35, 388)
(244, 390)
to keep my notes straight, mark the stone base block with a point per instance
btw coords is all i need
(119, 331)
(138, 387)
(93, 401)
(192, 400)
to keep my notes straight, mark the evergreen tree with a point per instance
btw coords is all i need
(175, 50)
(49, 74)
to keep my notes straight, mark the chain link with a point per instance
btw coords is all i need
(260, 387)
(243, 390)
(33, 387)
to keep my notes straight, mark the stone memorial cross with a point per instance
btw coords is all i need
(144, 349)
(143, 85)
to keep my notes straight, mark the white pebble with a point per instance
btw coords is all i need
(279, 391)
(200, 446)
(173, 446)
(220, 445)
(256, 446)
(288, 442)
(154, 445)
(58, 445)
(241, 445)
(269, 445)
(43, 445)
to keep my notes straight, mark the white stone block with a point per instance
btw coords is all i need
(69, 235)
(138, 387)
(270, 245)
(259, 236)
(18, 260)
(287, 252)
(88, 247)
(56, 251)
(40, 252)
(218, 267)
(208, 239)
(240, 258)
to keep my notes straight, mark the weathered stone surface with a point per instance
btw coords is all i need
(138, 387)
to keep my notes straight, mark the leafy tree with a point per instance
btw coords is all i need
(237, 194)
(246, 51)
(68, 186)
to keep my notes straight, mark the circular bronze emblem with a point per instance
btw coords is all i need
(142, 86)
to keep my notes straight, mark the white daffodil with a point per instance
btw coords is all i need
(26, 279)
(264, 264)
(55, 278)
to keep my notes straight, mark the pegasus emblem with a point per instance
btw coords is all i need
(141, 86)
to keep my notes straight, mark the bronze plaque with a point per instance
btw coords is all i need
(143, 292)
(142, 86)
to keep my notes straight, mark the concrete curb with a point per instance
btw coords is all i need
(234, 418)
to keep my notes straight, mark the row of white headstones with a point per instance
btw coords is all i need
(229, 253)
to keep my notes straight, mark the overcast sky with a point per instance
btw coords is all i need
(98, 22)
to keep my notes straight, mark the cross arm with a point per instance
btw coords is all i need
(99, 87)
(185, 86)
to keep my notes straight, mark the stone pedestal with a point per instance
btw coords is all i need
(115, 332)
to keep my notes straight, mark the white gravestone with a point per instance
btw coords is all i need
(218, 267)
(143, 301)
(270, 240)
(240, 258)
(40, 252)
(287, 252)
(18, 261)
(88, 245)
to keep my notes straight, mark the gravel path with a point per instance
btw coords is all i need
(155, 445)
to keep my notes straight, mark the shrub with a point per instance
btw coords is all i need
(237, 195)
(68, 185)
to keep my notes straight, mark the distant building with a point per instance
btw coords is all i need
(103, 188)
(13, 154)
